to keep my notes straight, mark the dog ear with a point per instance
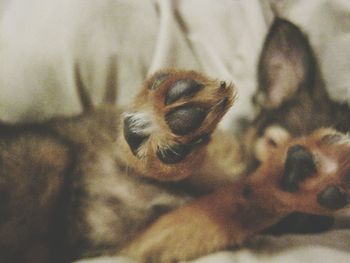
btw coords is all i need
(286, 65)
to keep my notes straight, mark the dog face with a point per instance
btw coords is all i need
(291, 99)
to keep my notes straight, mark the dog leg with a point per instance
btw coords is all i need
(309, 175)
(172, 120)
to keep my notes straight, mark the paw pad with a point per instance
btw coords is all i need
(136, 132)
(172, 119)
(175, 153)
(185, 119)
(183, 88)
(298, 166)
(159, 78)
(332, 198)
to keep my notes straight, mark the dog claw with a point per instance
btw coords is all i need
(223, 103)
(222, 85)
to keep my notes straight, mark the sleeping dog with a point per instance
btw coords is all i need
(291, 101)
(155, 182)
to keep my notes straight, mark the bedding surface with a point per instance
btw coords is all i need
(42, 41)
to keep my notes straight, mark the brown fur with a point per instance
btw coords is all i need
(303, 105)
(153, 102)
(88, 192)
(232, 214)
(291, 101)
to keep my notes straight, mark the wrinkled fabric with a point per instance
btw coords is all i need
(42, 41)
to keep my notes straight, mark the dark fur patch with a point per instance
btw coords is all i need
(183, 88)
(247, 191)
(4, 204)
(301, 223)
(298, 166)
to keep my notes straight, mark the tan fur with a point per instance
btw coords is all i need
(152, 102)
(99, 195)
(232, 214)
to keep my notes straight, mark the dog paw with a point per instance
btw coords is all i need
(317, 172)
(171, 120)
